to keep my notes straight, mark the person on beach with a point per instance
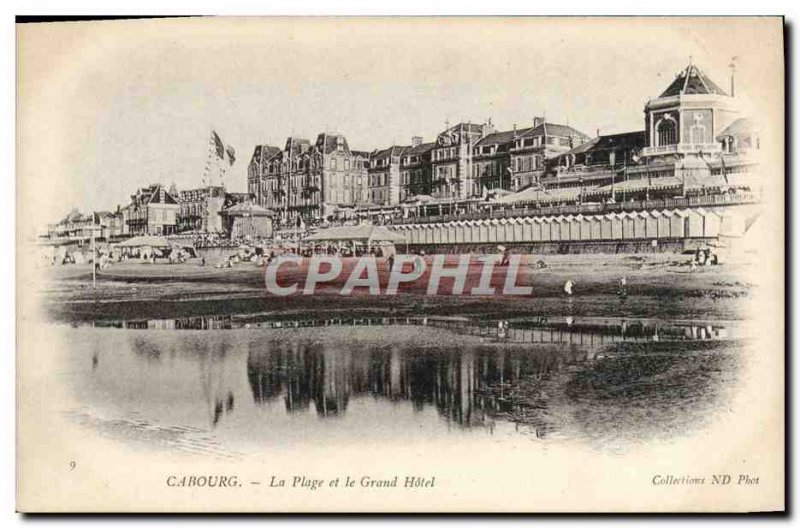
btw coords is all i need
(700, 257)
(503, 255)
(568, 287)
(623, 287)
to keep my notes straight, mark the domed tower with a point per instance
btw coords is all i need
(682, 125)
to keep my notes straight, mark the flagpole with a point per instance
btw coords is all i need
(94, 257)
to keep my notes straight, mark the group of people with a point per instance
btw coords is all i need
(704, 257)
(178, 256)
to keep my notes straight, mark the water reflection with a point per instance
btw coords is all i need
(466, 387)
(591, 331)
(409, 376)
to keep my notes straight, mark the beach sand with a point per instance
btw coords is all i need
(659, 285)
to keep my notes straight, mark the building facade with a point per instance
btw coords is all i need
(247, 221)
(451, 161)
(535, 146)
(384, 175)
(681, 127)
(308, 181)
(514, 159)
(694, 143)
(599, 161)
(416, 170)
(200, 208)
(152, 211)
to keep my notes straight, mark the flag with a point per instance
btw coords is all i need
(231, 154)
(218, 145)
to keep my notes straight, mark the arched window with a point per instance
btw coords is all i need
(667, 132)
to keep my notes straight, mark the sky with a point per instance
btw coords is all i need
(106, 107)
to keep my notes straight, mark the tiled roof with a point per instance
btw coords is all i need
(361, 232)
(392, 151)
(742, 127)
(692, 81)
(269, 152)
(419, 149)
(640, 184)
(532, 194)
(466, 127)
(246, 209)
(500, 138)
(327, 143)
(554, 129)
(611, 141)
(295, 146)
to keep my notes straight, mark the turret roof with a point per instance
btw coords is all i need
(692, 81)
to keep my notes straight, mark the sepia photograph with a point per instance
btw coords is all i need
(400, 264)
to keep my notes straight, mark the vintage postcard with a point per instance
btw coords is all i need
(401, 265)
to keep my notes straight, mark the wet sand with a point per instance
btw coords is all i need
(658, 286)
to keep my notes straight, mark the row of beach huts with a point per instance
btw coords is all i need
(633, 225)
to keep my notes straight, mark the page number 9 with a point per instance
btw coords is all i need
(71, 465)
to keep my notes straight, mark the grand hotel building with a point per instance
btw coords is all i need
(692, 134)
(328, 179)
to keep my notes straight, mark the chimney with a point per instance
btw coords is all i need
(487, 128)
(598, 132)
(537, 121)
(416, 141)
(515, 130)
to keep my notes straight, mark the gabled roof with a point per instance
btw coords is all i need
(500, 138)
(553, 129)
(362, 153)
(392, 151)
(692, 81)
(611, 141)
(157, 197)
(152, 194)
(265, 152)
(466, 127)
(422, 148)
(327, 143)
(584, 147)
(73, 216)
(295, 146)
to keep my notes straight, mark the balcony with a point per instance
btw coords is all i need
(681, 148)
(523, 210)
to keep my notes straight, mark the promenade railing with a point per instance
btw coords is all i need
(587, 208)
